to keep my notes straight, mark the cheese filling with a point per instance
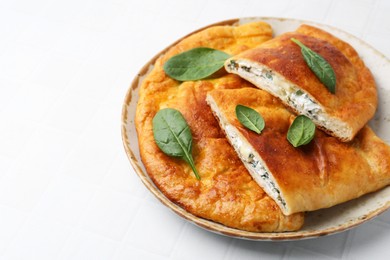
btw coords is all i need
(287, 92)
(251, 159)
(252, 162)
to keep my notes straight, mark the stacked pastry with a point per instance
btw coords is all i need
(260, 182)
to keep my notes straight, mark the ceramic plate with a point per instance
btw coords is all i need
(317, 223)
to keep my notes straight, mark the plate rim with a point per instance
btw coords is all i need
(209, 224)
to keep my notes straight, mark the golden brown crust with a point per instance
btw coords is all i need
(355, 100)
(226, 193)
(321, 174)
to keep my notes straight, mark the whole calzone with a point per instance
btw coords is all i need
(226, 193)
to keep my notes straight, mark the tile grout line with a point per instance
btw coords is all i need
(330, 8)
(181, 234)
(229, 250)
(287, 251)
(348, 243)
(78, 225)
(122, 243)
(326, 13)
(368, 24)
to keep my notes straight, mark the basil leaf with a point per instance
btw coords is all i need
(197, 63)
(301, 131)
(321, 68)
(250, 118)
(173, 136)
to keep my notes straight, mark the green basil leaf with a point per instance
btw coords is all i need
(197, 63)
(301, 131)
(173, 136)
(321, 68)
(250, 118)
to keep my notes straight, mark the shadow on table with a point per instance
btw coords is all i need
(357, 243)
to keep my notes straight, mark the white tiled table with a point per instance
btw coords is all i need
(67, 190)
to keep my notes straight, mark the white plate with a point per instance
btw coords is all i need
(317, 223)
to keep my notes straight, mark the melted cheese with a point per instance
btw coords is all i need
(283, 89)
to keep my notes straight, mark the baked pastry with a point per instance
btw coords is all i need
(278, 67)
(318, 175)
(226, 193)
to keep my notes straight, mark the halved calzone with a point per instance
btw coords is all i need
(321, 174)
(278, 67)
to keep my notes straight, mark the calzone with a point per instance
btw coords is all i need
(225, 193)
(317, 175)
(278, 66)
